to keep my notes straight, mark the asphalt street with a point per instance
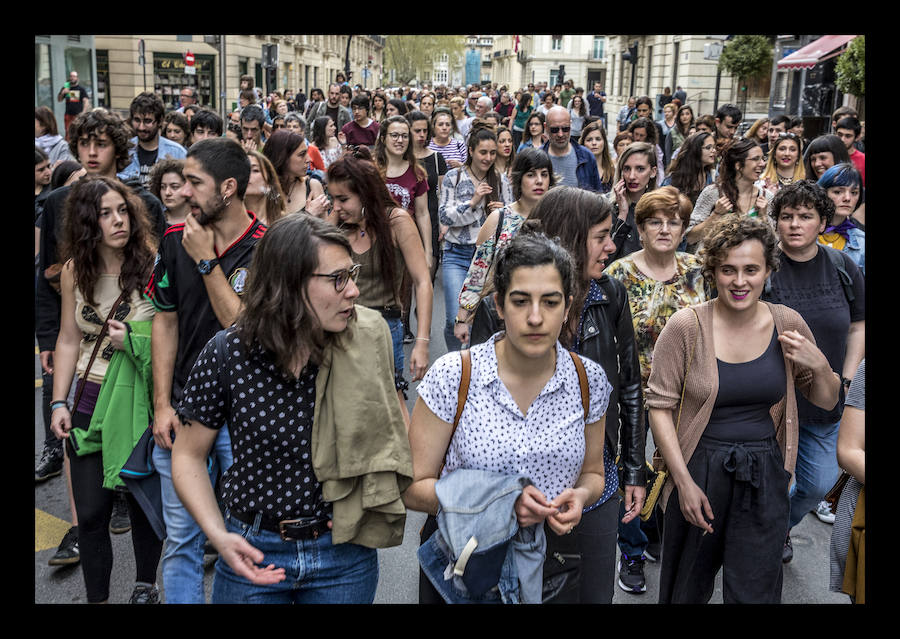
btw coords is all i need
(805, 578)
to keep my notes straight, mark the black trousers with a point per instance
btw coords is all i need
(596, 535)
(747, 488)
(94, 505)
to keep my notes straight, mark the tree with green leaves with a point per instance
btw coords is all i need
(851, 68)
(747, 57)
(410, 55)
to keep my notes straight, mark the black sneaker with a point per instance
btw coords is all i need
(409, 338)
(67, 553)
(788, 552)
(631, 574)
(144, 594)
(120, 522)
(50, 465)
(653, 551)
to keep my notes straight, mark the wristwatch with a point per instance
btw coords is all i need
(845, 382)
(206, 266)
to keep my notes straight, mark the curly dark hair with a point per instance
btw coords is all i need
(94, 124)
(803, 193)
(732, 230)
(81, 235)
(166, 165)
(147, 103)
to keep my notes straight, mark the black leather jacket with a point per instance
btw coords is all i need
(607, 337)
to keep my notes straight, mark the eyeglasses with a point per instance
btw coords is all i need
(398, 136)
(655, 223)
(343, 276)
(789, 135)
(557, 129)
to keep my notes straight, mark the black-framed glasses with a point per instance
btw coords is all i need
(340, 278)
(557, 129)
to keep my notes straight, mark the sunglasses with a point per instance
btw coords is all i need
(557, 129)
(340, 278)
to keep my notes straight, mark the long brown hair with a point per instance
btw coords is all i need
(409, 155)
(274, 317)
(567, 214)
(358, 171)
(81, 236)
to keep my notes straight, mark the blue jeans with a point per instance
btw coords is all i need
(316, 571)
(455, 263)
(817, 468)
(396, 326)
(182, 565)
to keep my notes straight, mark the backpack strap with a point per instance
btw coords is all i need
(837, 259)
(583, 383)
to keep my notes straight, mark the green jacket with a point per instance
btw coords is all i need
(124, 408)
(360, 448)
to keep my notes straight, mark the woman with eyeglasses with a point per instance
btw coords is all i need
(385, 241)
(534, 135)
(734, 191)
(286, 381)
(659, 280)
(785, 163)
(408, 184)
(469, 194)
(693, 170)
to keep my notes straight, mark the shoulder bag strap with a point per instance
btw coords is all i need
(100, 337)
(583, 383)
(688, 370)
(461, 396)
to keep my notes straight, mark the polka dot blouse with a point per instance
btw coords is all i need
(546, 444)
(269, 417)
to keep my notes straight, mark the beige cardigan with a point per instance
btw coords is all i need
(670, 358)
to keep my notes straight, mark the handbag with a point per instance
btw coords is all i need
(485, 316)
(562, 563)
(650, 477)
(659, 463)
(81, 383)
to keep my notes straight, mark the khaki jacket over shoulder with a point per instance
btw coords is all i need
(670, 358)
(360, 449)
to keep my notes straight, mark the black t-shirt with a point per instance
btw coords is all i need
(146, 160)
(269, 418)
(333, 112)
(74, 99)
(177, 286)
(436, 166)
(813, 289)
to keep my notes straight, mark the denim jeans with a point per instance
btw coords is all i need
(182, 565)
(316, 571)
(817, 468)
(396, 326)
(455, 264)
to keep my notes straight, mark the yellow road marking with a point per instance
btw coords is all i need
(48, 530)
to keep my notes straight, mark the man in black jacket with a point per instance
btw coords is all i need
(100, 141)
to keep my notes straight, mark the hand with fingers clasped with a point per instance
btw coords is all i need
(562, 514)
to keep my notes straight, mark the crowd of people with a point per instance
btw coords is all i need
(261, 277)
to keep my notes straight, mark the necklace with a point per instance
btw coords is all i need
(784, 180)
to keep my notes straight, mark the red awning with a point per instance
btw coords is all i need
(816, 51)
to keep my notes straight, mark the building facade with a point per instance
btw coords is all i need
(121, 66)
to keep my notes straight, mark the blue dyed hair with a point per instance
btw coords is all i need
(844, 174)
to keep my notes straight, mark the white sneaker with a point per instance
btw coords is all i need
(823, 512)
